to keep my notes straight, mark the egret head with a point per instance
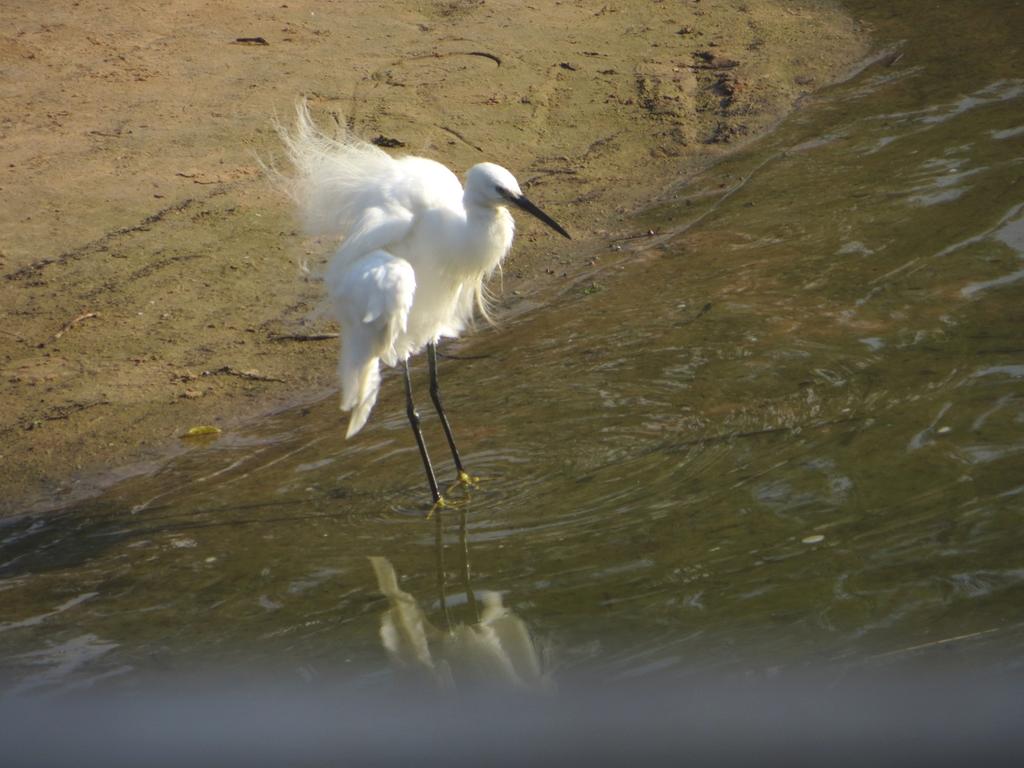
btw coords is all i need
(491, 185)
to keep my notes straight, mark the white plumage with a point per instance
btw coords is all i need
(416, 248)
(372, 300)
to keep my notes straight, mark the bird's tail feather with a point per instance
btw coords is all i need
(359, 371)
(333, 179)
(357, 420)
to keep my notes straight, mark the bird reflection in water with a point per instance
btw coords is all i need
(494, 650)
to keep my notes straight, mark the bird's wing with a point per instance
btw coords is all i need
(419, 183)
(372, 300)
(378, 228)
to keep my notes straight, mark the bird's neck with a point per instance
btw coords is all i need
(485, 218)
(490, 231)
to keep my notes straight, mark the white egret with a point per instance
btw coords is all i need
(415, 253)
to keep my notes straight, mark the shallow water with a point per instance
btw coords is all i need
(788, 428)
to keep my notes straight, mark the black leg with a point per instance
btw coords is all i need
(414, 421)
(435, 395)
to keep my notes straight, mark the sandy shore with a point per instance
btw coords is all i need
(149, 270)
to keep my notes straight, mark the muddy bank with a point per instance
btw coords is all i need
(151, 277)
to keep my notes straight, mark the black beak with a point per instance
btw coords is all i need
(521, 201)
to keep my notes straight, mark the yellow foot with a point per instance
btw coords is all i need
(444, 503)
(465, 478)
(439, 504)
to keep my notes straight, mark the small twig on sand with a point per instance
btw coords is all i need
(305, 337)
(485, 55)
(72, 323)
(436, 55)
(57, 413)
(624, 238)
(460, 137)
(448, 356)
(227, 370)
